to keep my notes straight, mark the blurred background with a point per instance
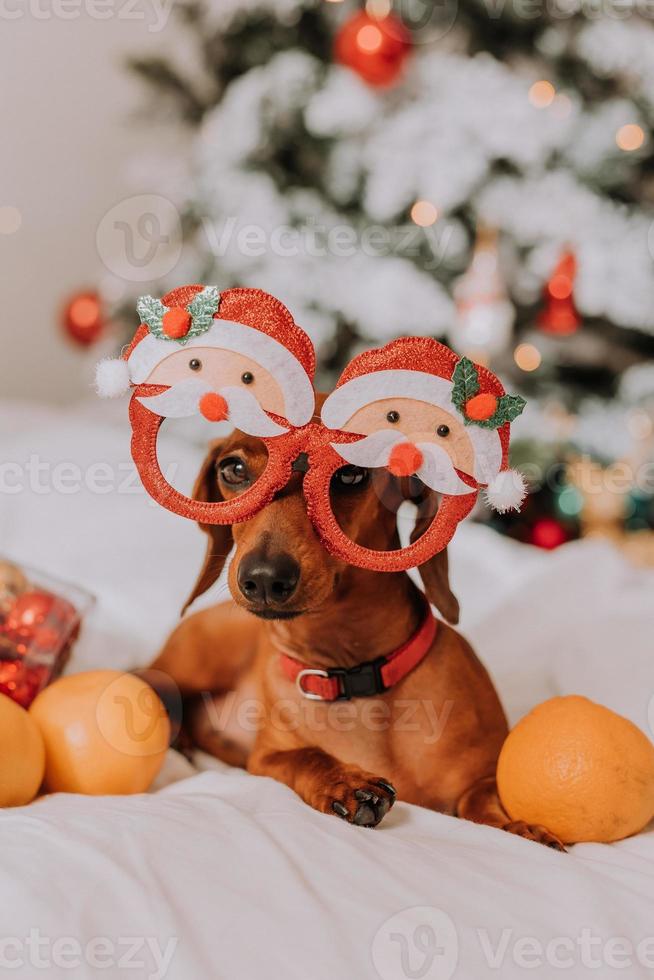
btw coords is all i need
(480, 171)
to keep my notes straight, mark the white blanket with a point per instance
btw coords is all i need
(223, 875)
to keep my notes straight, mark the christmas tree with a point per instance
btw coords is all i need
(356, 162)
(475, 171)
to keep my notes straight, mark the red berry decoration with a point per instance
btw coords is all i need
(375, 48)
(82, 319)
(176, 322)
(482, 407)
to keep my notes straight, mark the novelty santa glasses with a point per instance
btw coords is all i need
(412, 408)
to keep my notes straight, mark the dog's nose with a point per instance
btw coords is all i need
(269, 579)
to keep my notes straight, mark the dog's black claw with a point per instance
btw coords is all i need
(340, 810)
(365, 796)
(390, 789)
(371, 809)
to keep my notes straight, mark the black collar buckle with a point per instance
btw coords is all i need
(362, 681)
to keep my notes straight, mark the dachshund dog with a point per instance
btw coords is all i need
(432, 738)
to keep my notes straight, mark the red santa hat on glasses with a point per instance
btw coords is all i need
(423, 370)
(246, 321)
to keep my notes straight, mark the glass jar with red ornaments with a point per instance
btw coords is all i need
(40, 619)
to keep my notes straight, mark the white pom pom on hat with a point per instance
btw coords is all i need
(506, 491)
(112, 377)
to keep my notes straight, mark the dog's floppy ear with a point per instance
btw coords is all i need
(435, 572)
(220, 535)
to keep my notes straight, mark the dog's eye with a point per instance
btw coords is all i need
(443, 431)
(194, 364)
(233, 471)
(350, 476)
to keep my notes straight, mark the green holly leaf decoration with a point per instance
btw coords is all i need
(202, 309)
(465, 382)
(151, 312)
(509, 407)
(465, 385)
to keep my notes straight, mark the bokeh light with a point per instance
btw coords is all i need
(527, 357)
(630, 137)
(424, 213)
(370, 38)
(541, 94)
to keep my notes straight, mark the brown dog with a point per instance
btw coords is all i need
(435, 735)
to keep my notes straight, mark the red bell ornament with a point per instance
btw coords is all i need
(375, 48)
(559, 316)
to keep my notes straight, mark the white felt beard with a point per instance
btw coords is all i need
(182, 401)
(437, 470)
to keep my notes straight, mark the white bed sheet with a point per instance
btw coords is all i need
(220, 874)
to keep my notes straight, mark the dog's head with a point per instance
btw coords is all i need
(280, 569)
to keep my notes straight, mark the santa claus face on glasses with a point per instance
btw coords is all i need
(424, 435)
(220, 385)
(409, 438)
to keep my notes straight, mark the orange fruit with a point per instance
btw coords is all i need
(22, 755)
(104, 732)
(579, 769)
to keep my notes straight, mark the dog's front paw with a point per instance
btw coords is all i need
(362, 800)
(531, 831)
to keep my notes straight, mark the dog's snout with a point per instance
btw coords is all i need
(268, 579)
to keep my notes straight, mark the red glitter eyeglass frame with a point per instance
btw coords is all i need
(314, 440)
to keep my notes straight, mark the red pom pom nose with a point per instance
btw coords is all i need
(214, 407)
(405, 459)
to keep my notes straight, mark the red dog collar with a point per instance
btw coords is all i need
(365, 680)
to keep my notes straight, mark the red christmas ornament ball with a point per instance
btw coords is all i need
(39, 618)
(375, 48)
(548, 534)
(82, 318)
(36, 638)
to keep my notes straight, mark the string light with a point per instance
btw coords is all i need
(542, 94)
(424, 214)
(527, 357)
(370, 39)
(630, 137)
